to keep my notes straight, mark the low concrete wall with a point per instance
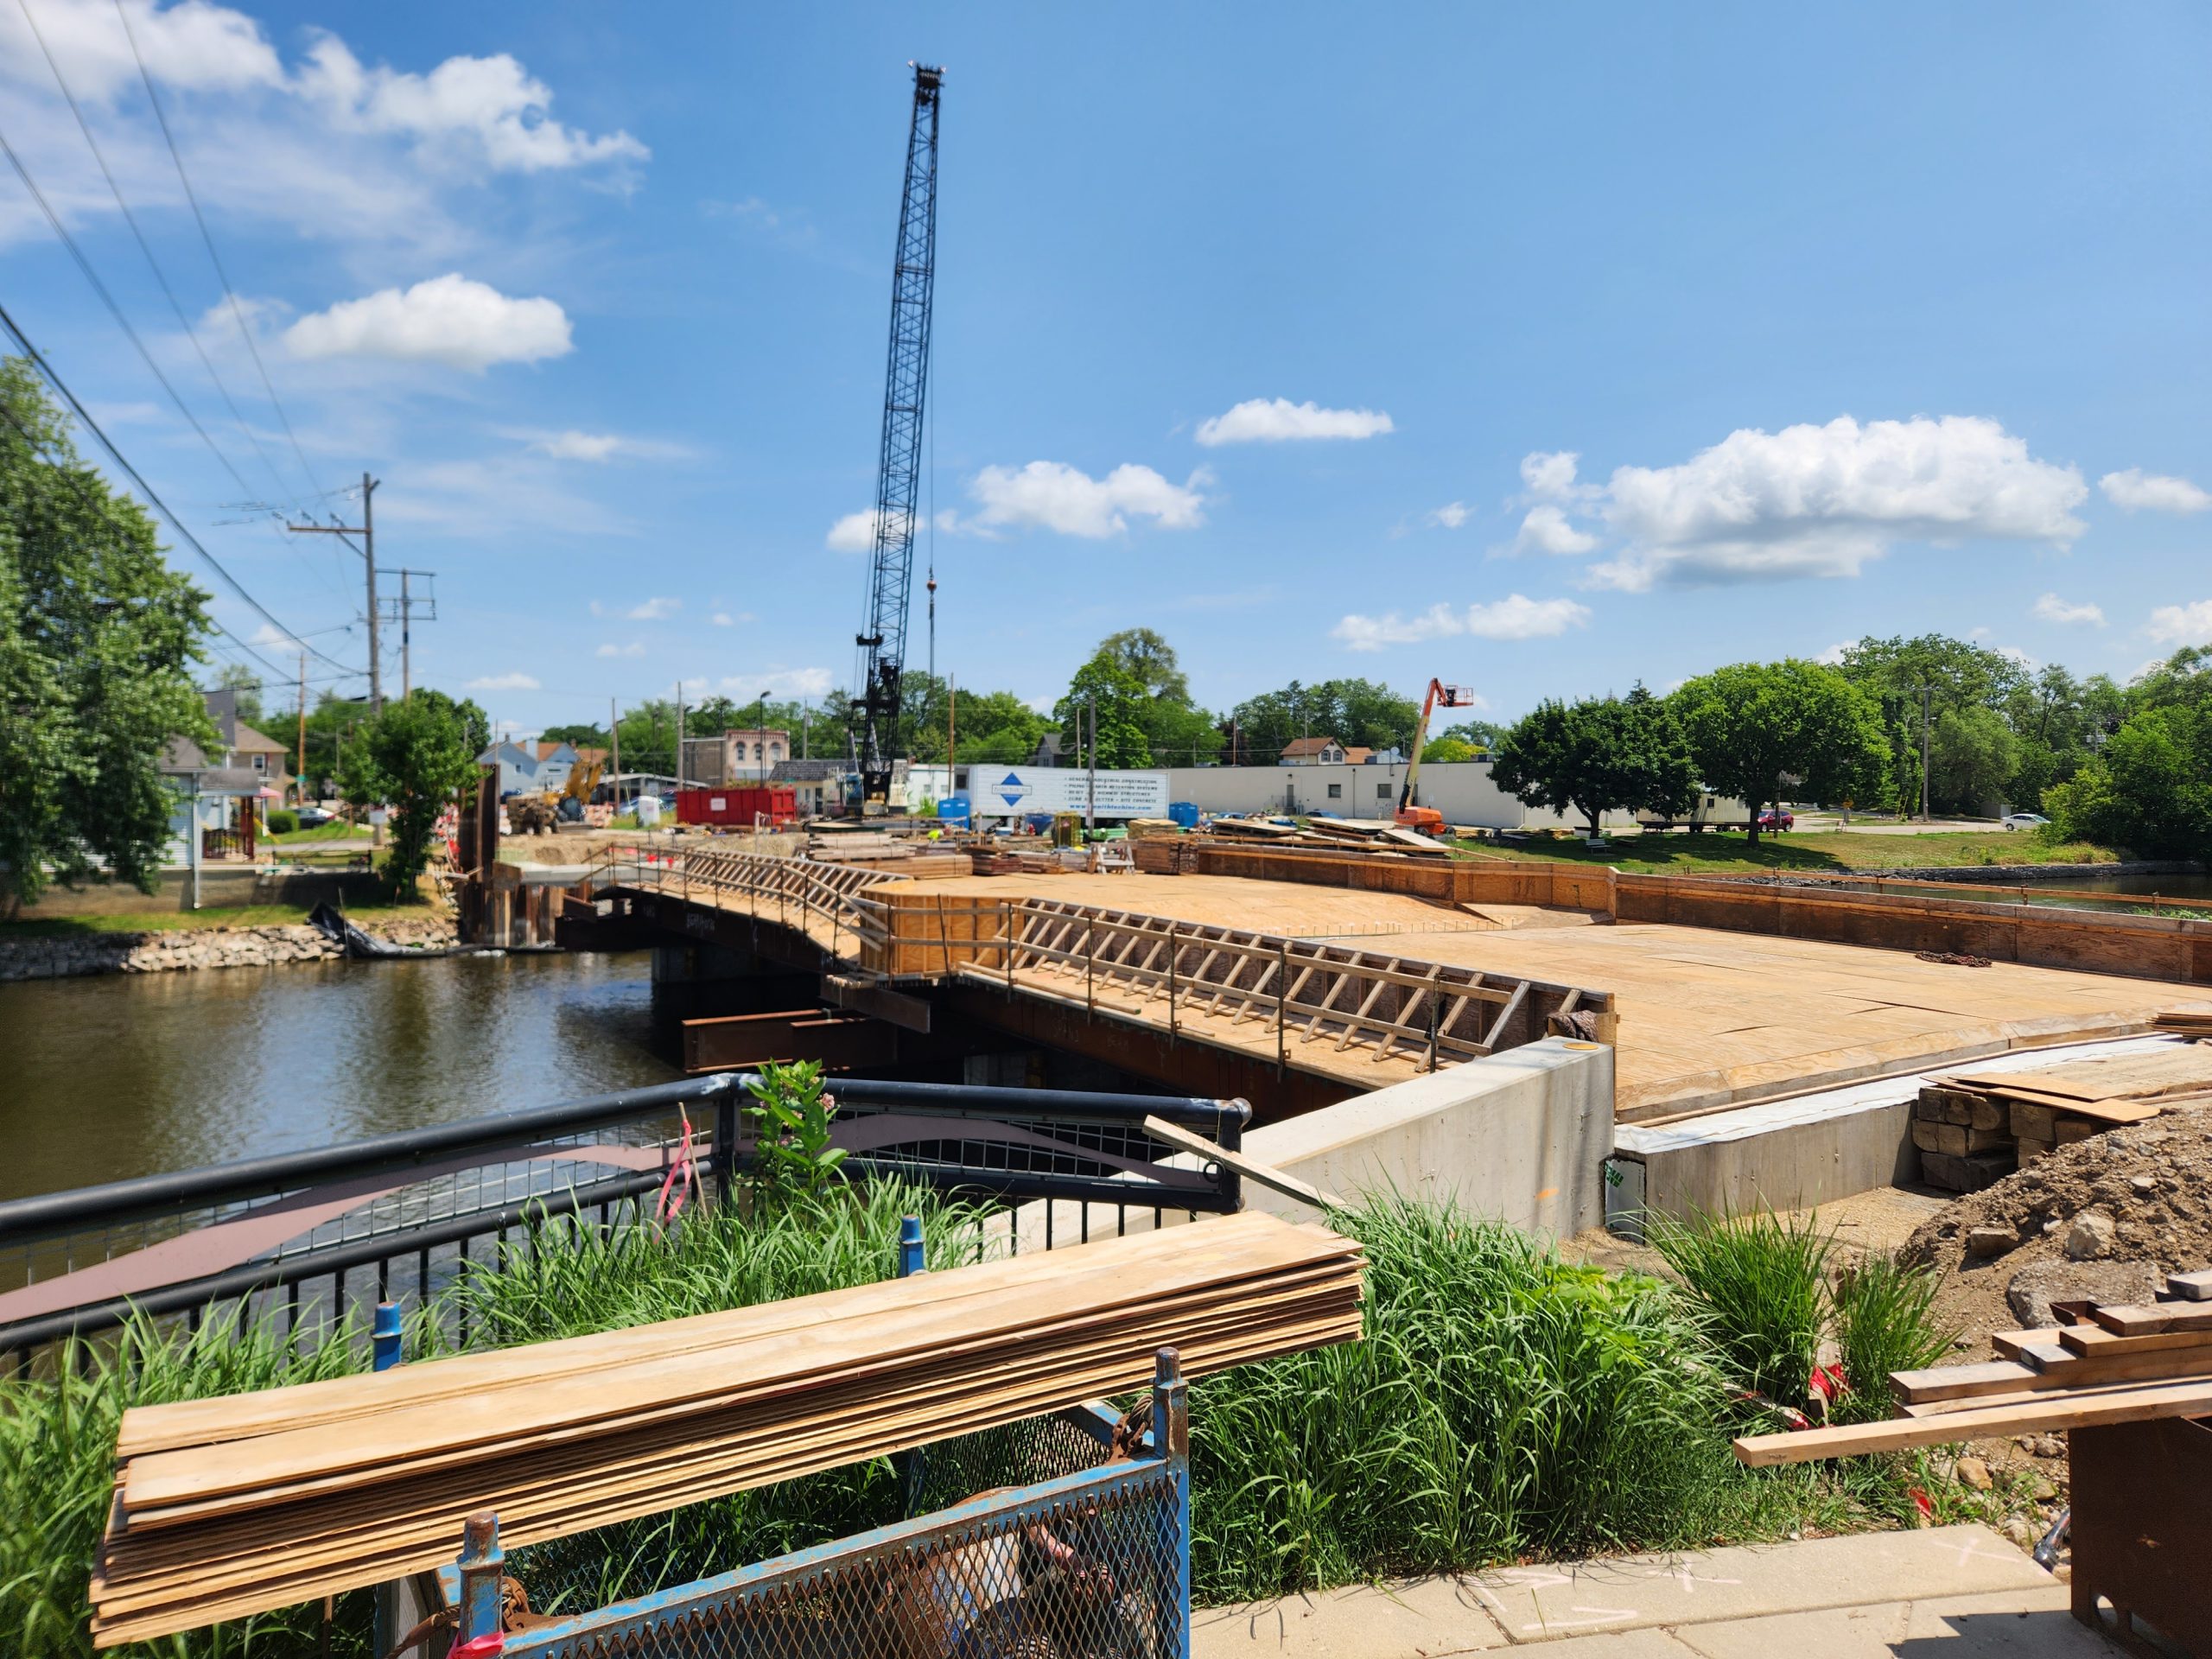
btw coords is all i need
(1520, 1137)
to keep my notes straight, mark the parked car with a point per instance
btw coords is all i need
(314, 817)
(1776, 819)
(2024, 820)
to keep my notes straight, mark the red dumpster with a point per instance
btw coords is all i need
(738, 807)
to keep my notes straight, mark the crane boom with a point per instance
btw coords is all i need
(883, 641)
(1427, 819)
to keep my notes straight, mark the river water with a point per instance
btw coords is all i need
(122, 1075)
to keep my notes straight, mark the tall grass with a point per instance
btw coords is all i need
(1503, 1403)
(57, 1454)
(1757, 1285)
(1885, 1319)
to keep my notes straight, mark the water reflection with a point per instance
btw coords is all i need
(126, 1075)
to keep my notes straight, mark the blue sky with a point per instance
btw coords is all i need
(1635, 340)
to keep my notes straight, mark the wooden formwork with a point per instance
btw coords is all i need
(1214, 979)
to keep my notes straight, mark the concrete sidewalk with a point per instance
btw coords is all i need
(1949, 1593)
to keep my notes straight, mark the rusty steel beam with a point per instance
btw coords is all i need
(909, 1013)
(840, 1042)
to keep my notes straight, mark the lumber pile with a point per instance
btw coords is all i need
(2185, 1023)
(1368, 837)
(243, 1505)
(1972, 1127)
(2106, 1363)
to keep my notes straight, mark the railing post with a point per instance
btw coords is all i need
(1282, 1006)
(1170, 1440)
(384, 1337)
(392, 1611)
(482, 1562)
(725, 1147)
(1231, 1138)
(911, 1464)
(1090, 966)
(1174, 949)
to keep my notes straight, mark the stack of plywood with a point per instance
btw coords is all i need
(2108, 1364)
(232, 1506)
(2183, 1023)
(1374, 837)
(1972, 1127)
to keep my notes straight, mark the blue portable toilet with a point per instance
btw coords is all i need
(1185, 813)
(953, 809)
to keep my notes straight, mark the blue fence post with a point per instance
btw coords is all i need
(909, 1263)
(388, 1617)
(1171, 1440)
(384, 1337)
(482, 1563)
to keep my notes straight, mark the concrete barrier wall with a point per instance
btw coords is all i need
(1520, 1137)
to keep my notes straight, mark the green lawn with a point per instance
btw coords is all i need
(1724, 853)
(170, 921)
(337, 830)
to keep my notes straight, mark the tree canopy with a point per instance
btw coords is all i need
(1604, 754)
(97, 635)
(1753, 724)
(1355, 712)
(2147, 785)
(415, 758)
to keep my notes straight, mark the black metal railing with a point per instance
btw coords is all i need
(309, 1236)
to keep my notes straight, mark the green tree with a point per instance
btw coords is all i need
(1754, 724)
(1973, 757)
(1447, 748)
(415, 758)
(1107, 699)
(1946, 675)
(1355, 712)
(1604, 754)
(1483, 736)
(580, 737)
(2149, 789)
(97, 635)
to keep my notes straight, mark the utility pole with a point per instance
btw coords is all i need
(951, 737)
(300, 785)
(680, 778)
(1925, 692)
(1090, 789)
(402, 612)
(615, 738)
(367, 531)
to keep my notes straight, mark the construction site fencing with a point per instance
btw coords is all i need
(1063, 1537)
(829, 903)
(306, 1239)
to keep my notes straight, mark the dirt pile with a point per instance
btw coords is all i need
(2111, 1214)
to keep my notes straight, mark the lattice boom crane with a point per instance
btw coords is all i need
(890, 582)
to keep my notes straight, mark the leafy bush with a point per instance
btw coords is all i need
(790, 1118)
(283, 821)
(1885, 1319)
(1757, 1285)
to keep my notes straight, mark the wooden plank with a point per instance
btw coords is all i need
(2140, 1321)
(1251, 1168)
(1959, 1382)
(2096, 1340)
(2042, 1414)
(2192, 1287)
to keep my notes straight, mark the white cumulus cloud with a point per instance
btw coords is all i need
(635, 648)
(449, 320)
(2182, 625)
(1451, 515)
(574, 445)
(1825, 501)
(492, 102)
(1052, 495)
(1514, 617)
(855, 533)
(516, 682)
(1547, 530)
(2135, 489)
(653, 610)
(2051, 608)
(1549, 475)
(1835, 654)
(1277, 420)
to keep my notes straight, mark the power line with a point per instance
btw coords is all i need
(229, 293)
(147, 489)
(153, 264)
(115, 310)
